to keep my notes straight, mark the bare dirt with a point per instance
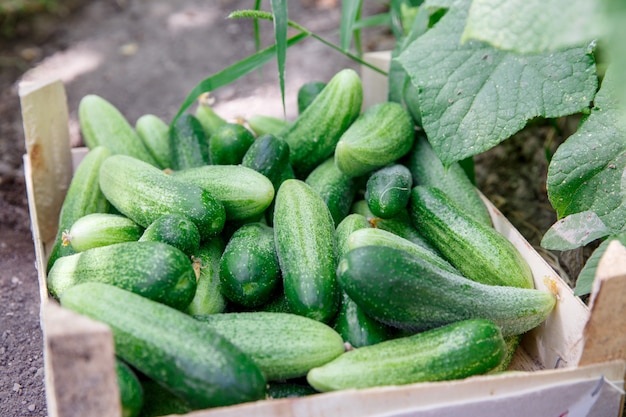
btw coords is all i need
(145, 56)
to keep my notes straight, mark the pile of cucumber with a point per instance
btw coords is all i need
(238, 262)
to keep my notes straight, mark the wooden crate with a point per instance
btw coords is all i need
(573, 363)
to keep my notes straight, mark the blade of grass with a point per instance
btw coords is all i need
(349, 14)
(257, 31)
(279, 11)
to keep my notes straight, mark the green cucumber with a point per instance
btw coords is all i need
(101, 229)
(454, 351)
(131, 391)
(189, 144)
(153, 270)
(336, 188)
(426, 169)
(208, 298)
(174, 229)
(268, 155)
(314, 134)
(159, 401)
(102, 124)
(244, 192)
(307, 93)
(288, 389)
(405, 291)
(478, 251)
(283, 345)
(349, 224)
(388, 189)
(304, 236)
(263, 125)
(154, 133)
(229, 143)
(207, 117)
(83, 197)
(186, 356)
(144, 193)
(381, 135)
(249, 270)
(277, 304)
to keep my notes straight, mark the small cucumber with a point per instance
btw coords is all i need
(154, 133)
(336, 188)
(455, 351)
(426, 169)
(289, 389)
(349, 224)
(159, 401)
(478, 251)
(207, 117)
(410, 293)
(388, 190)
(263, 125)
(307, 93)
(131, 391)
(186, 356)
(101, 229)
(174, 229)
(249, 270)
(229, 143)
(268, 155)
(189, 145)
(102, 124)
(208, 298)
(283, 345)
(244, 192)
(304, 236)
(151, 269)
(381, 135)
(314, 134)
(144, 193)
(83, 197)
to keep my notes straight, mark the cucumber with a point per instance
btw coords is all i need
(159, 401)
(83, 197)
(101, 229)
(426, 169)
(153, 270)
(388, 189)
(249, 270)
(174, 229)
(229, 143)
(144, 193)
(454, 351)
(405, 291)
(283, 345)
(244, 192)
(207, 117)
(307, 93)
(336, 189)
(289, 389)
(208, 298)
(277, 304)
(189, 144)
(186, 356)
(304, 237)
(102, 124)
(263, 125)
(349, 224)
(478, 251)
(268, 155)
(131, 391)
(380, 136)
(154, 133)
(314, 134)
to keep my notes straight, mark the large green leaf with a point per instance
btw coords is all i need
(473, 96)
(588, 171)
(574, 231)
(584, 283)
(531, 26)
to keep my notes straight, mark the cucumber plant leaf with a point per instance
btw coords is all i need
(574, 231)
(587, 275)
(473, 96)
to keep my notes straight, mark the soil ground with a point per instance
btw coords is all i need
(145, 56)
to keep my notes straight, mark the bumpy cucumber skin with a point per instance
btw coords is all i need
(244, 192)
(174, 229)
(83, 197)
(249, 270)
(189, 144)
(388, 190)
(194, 362)
(208, 298)
(268, 155)
(478, 251)
(207, 117)
(263, 125)
(144, 193)
(102, 124)
(336, 188)
(154, 133)
(314, 134)
(304, 237)
(101, 229)
(455, 351)
(351, 223)
(307, 93)
(288, 389)
(131, 391)
(407, 292)
(426, 169)
(153, 270)
(229, 143)
(381, 135)
(283, 345)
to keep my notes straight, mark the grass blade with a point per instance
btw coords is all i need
(349, 15)
(279, 11)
